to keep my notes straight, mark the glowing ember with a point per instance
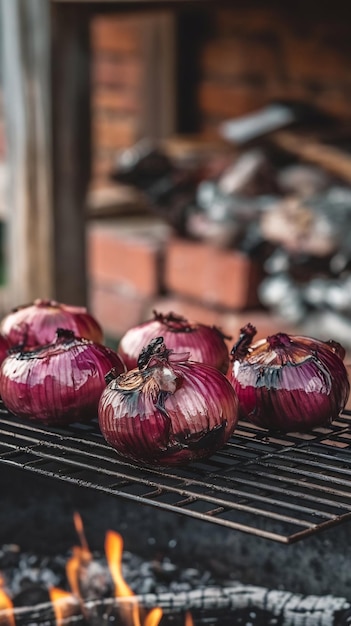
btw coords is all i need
(6, 606)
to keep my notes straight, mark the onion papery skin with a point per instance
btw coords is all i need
(169, 413)
(35, 324)
(206, 344)
(58, 383)
(290, 383)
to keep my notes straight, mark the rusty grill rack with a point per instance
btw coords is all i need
(275, 486)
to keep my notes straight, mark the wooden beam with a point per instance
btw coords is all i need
(26, 83)
(333, 159)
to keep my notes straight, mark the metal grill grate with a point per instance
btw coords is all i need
(280, 487)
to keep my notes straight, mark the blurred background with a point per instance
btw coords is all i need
(196, 158)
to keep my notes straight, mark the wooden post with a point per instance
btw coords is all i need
(26, 84)
(46, 89)
(72, 148)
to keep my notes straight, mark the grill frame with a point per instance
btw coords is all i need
(281, 487)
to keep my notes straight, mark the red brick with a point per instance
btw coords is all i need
(114, 132)
(289, 90)
(211, 275)
(230, 100)
(229, 59)
(115, 310)
(116, 34)
(307, 58)
(115, 100)
(116, 71)
(125, 254)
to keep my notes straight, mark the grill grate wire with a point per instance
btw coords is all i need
(282, 487)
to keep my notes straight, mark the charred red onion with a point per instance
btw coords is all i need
(288, 382)
(35, 324)
(206, 344)
(4, 347)
(169, 410)
(57, 383)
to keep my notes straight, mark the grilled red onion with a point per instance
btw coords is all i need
(288, 382)
(169, 410)
(57, 383)
(4, 347)
(206, 344)
(35, 324)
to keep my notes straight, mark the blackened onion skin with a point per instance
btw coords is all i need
(169, 412)
(288, 383)
(206, 344)
(33, 325)
(58, 383)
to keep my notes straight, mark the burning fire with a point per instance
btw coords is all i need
(61, 601)
(188, 619)
(131, 614)
(6, 606)
(130, 611)
(67, 604)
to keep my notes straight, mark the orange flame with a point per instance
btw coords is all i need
(114, 552)
(72, 570)
(78, 524)
(6, 605)
(154, 617)
(81, 556)
(59, 599)
(130, 612)
(188, 619)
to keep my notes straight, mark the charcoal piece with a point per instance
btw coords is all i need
(141, 165)
(31, 595)
(170, 190)
(343, 618)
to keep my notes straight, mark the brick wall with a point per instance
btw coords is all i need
(255, 55)
(250, 55)
(131, 79)
(137, 265)
(117, 66)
